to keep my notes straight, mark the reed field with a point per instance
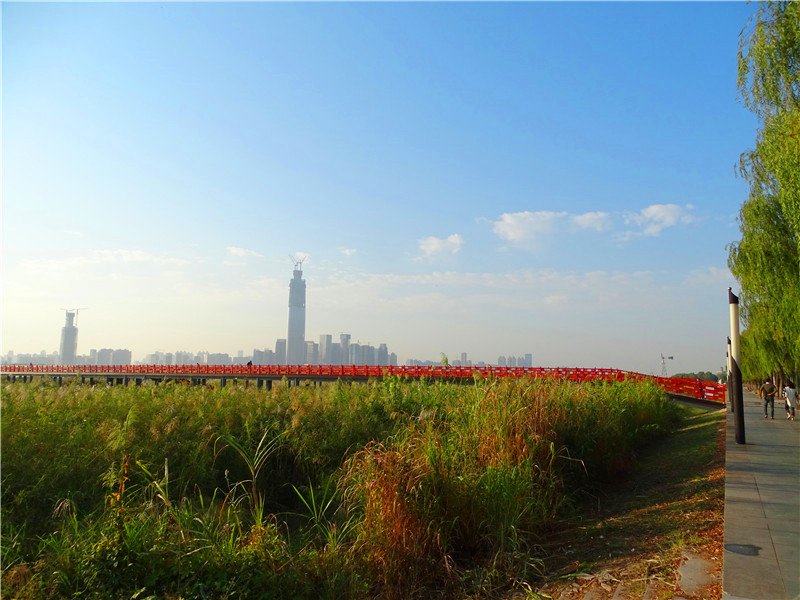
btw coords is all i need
(389, 489)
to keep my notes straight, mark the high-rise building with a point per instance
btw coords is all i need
(182, 357)
(121, 357)
(69, 341)
(104, 356)
(344, 349)
(296, 340)
(280, 352)
(336, 354)
(383, 355)
(325, 341)
(311, 353)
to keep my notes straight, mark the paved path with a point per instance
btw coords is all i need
(761, 560)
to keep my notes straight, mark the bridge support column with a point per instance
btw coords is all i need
(259, 383)
(222, 382)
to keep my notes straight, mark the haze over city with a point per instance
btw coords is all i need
(496, 179)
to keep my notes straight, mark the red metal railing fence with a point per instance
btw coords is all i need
(694, 388)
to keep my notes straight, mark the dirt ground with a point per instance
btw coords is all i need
(633, 547)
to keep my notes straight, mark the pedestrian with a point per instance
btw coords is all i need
(790, 395)
(767, 391)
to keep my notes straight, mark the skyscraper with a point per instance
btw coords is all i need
(69, 341)
(296, 340)
(325, 342)
(280, 352)
(344, 349)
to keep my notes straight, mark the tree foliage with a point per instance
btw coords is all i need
(766, 260)
(703, 375)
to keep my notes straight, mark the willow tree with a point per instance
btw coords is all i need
(766, 260)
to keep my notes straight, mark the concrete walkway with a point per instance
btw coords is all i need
(761, 560)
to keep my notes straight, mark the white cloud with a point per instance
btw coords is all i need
(597, 220)
(236, 251)
(432, 246)
(655, 218)
(520, 226)
(347, 251)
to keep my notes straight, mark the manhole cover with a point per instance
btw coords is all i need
(747, 549)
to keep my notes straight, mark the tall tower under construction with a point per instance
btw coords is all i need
(68, 351)
(296, 340)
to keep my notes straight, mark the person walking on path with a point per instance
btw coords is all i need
(790, 394)
(767, 391)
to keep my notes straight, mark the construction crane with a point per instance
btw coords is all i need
(298, 264)
(76, 311)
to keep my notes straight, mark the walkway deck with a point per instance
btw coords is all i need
(761, 560)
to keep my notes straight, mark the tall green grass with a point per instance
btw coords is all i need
(388, 489)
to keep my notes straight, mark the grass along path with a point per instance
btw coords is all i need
(639, 532)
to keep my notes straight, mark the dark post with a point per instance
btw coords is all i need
(735, 375)
(728, 357)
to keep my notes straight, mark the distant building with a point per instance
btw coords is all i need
(336, 354)
(311, 354)
(344, 349)
(104, 357)
(368, 355)
(121, 357)
(383, 355)
(184, 358)
(219, 358)
(325, 342)
(296, 339)
(68, 350)
(280, 352)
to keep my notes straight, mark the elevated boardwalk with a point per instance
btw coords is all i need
(761, 560)
(267, 374)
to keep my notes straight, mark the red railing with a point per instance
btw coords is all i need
(694, 388)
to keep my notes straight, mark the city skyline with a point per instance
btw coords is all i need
(326, 352)
(500, 178)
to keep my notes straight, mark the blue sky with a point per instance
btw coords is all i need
(553, 178)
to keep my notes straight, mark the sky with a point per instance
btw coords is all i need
(488, 178)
